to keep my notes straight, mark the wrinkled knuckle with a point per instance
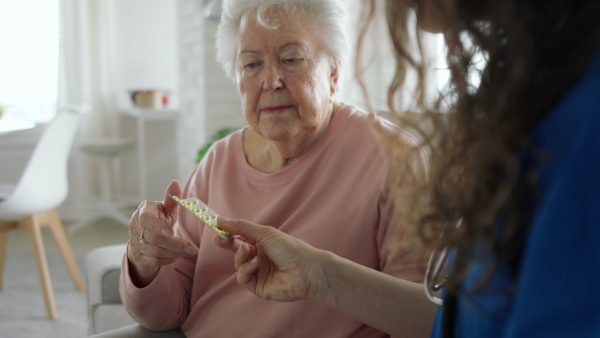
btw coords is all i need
(153, 261)
(242, 222)
(143, 218)
(149, 236)
(152, 251)
(133, 220)
(177, 248)
(133, 217)
(135, 256)
(141, 207)
(241, 279)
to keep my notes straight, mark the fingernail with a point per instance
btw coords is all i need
(222, 219)
(190, 249)
(166, 233)
(253, 261)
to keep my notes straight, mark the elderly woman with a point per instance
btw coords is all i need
(305, 165)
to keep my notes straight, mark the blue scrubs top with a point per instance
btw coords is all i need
(557, 293)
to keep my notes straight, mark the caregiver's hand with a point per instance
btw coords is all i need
(271, 264)
(151, 240)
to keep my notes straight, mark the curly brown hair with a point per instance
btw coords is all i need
(534, 52)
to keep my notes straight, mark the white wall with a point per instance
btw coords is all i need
(146, 57)
(209, 101)
(146, 54)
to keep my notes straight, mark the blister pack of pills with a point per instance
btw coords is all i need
(203, 212)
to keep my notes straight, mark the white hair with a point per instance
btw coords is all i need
(328, 15)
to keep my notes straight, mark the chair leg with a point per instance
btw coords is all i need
(52, 220)
(31, 225)
(3, 248)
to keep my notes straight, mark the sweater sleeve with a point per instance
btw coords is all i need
(158, 306)
(164, 304)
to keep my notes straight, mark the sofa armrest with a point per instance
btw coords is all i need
(102, 272)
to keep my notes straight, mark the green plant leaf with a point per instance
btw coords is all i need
(219, 134)
(203, 152)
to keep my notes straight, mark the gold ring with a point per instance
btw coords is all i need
(142, 240)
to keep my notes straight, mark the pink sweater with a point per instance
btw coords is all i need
(334, 197)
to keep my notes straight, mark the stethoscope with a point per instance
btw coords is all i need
(437, 264)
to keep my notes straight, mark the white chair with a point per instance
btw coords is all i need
(32, 204)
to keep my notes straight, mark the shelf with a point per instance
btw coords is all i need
(151, 114)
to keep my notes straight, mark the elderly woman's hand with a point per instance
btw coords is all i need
(270, 263)
(151, 240)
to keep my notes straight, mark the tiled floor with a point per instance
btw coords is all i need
(22, 310)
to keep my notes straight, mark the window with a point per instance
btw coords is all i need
(29, 40)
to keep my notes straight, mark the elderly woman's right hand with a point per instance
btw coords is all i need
(157, 246)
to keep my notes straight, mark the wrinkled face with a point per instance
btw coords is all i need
(285, 78)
